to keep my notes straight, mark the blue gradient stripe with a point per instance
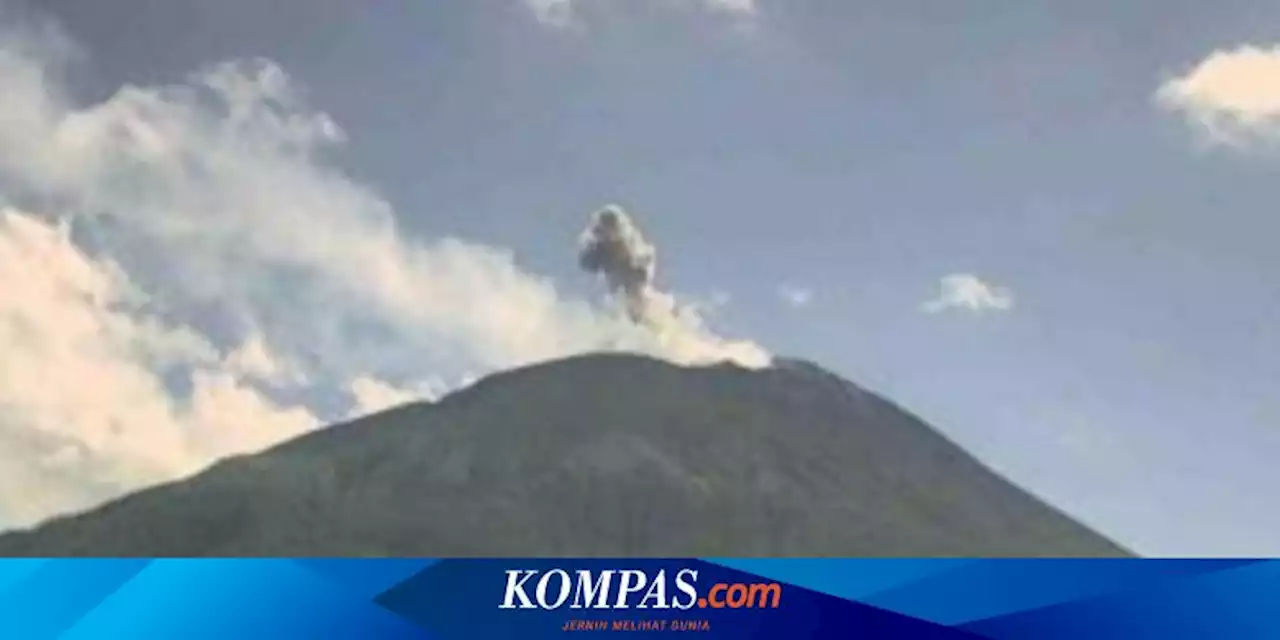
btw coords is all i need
(459, 598)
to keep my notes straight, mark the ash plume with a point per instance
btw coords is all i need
(614, 248)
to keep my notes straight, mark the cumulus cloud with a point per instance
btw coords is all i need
(567, 13)
(176, 255)
(1232, 95)
(968, 292)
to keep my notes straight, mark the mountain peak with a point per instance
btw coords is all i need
(597, 455)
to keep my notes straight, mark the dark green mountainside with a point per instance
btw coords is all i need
(602, 455)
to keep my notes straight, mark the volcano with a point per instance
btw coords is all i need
(597, 455)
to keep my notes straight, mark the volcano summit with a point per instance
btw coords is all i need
(598, 455)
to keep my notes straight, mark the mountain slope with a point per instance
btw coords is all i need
(602, 455)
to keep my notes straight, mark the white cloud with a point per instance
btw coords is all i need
(795, 297)
(166, 226)
(254, 359)
(373, 395)
(567, 13)
(84, 409)
(969, 292)
(1233, 95)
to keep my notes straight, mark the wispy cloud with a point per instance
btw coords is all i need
(734, 7)
(553, 13)
(795, 296)
(1232, 95)
(568, 13)
(966, 291)
(186, 277)
(719, 298)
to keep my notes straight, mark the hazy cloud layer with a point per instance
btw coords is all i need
(965, 291)
(186, 277)
(1232, 95)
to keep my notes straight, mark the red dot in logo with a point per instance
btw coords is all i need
(702, 603)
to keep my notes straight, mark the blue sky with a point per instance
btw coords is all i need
(861, 152)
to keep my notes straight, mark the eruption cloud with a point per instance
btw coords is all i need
(613, 248)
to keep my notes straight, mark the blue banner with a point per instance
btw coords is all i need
(707, 598)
